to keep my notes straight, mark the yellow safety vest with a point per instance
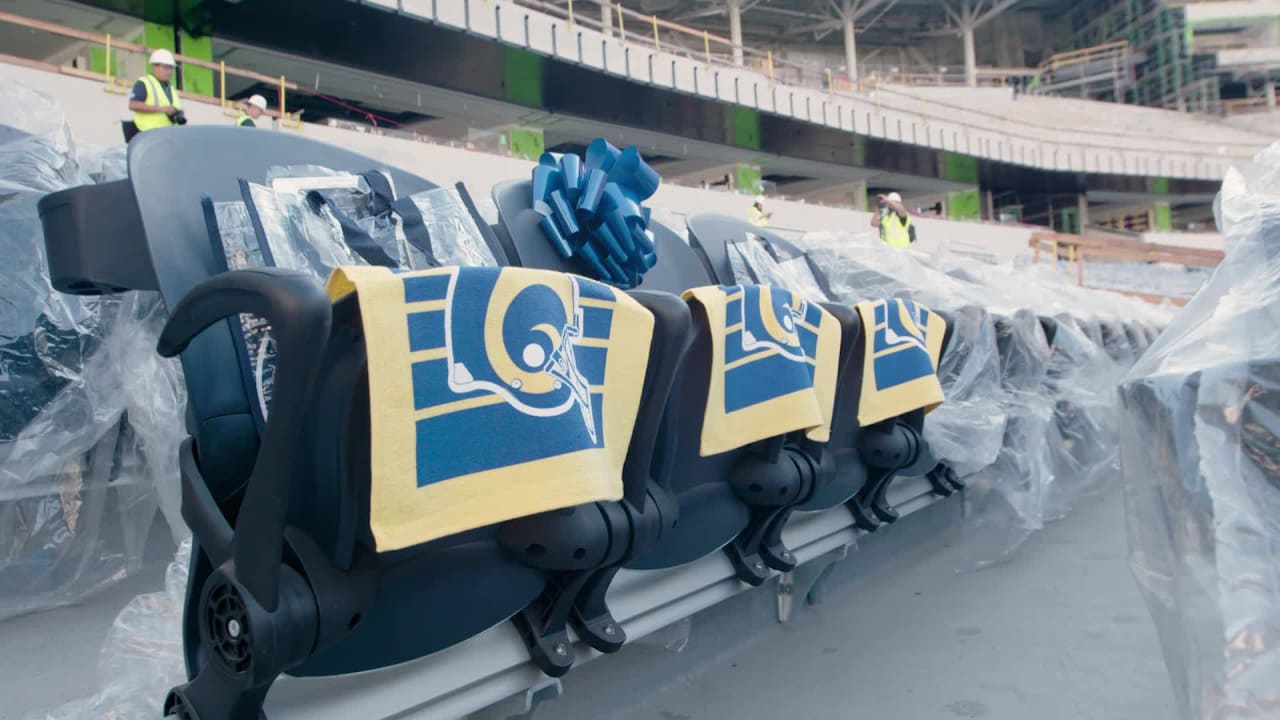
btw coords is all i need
(156, 98)
(894, 231)
(243, 117)
(757, 217)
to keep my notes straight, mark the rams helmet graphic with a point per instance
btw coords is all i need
(901, 325)
(769, 332)
(496, 353)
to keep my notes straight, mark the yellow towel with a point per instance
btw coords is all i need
(494, 394)
(904, 345)
(773, 366)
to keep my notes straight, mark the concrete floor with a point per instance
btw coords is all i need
(1058, 633)
(50, 658)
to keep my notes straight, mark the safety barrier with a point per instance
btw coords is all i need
(764, 83)
(1083, 254)
(114, 47)
(546, 30)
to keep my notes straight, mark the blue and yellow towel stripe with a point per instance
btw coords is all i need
(774, 362)
(904, 347)
(494, 394)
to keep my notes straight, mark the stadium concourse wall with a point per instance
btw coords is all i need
(94, 115)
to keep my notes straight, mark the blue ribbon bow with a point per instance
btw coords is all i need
(591, 210)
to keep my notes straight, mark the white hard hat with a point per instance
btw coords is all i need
(258, 101)
(163, 57)
(894, 197)
(759, 199)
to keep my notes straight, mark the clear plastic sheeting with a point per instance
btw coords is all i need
(298, 237)
(452, 230)
(1028, 425)
(1081, 439)
(88, 413)
(1009, 498)
(754, 264)
(142, 657)
(968, 429)
(1201, 456)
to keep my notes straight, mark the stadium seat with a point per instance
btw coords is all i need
(280, 518)
(867, 459)
(1137, 338)
(1116, 342)
(738, 500)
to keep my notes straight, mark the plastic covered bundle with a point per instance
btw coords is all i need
(968, 429)
(141, 657)
(1201, 456)
(84, 439)
(859, 267)
(1008, 498)
(1082, 437)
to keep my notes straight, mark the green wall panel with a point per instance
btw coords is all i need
(523, 76)
(959, 168)
(527, 143)
(745, 129)
(964, 205)
(198, 80)
(748, 178)
(1164, 217)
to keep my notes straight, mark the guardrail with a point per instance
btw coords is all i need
(114, 47)
(1249, 106)
(1105, 51)
(1079, 250)
(884, 112)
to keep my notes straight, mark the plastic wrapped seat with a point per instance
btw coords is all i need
(74, 505)
(866, 458)
(282, 546)
(737, 500)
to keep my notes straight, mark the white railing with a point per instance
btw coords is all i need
(883, 114)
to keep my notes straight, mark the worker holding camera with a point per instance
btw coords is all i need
(894, 222)
(154, 101)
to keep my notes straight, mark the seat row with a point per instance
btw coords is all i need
(561, 429)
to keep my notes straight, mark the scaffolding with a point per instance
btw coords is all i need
(1166, 74)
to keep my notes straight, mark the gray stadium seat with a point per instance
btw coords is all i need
(280, 518)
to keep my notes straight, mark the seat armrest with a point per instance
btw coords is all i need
(672, 336)
(300, 315)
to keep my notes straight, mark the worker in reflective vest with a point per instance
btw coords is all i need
(154, 101)
(756, 215)
(253, 109)
(894, 221)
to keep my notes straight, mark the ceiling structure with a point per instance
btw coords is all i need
(453, 116)
(768, 23)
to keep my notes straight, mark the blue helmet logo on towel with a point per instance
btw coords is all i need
(524, 351)
(503, 356)
(776, 324)
(901, 348)
(769, 332)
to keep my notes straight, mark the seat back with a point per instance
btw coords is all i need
(678, 267)
(1116, 342)
(711, 236)
(1137, 338)
(1024, 353)
(162, 243)
(470, 580)
(463, 583)
(710, 513)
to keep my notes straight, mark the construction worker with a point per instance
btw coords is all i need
(756, 215)
(894, 221)
(253, 109)
(154, 101)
